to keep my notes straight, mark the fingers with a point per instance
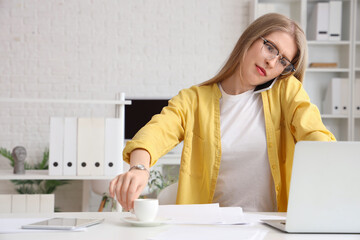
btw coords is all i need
(112, 186)
(118, 188)
(133, 188)
(127, 187)
(123, 191)
(134, 191)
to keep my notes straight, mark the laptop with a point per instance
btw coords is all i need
(324, 192)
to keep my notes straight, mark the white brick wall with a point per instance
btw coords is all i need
(84, 49)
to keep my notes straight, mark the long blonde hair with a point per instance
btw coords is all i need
(263, 26)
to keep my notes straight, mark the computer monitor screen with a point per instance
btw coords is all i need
(140, 112)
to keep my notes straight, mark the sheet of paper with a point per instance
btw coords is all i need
(255, 218)
(232, 215)
(191, 214)
(217, 232)
(13, 225)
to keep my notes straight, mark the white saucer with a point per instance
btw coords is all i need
(134, 221)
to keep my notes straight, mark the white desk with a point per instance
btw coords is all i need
(114, 228)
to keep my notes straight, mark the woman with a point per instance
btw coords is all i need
(239, 128)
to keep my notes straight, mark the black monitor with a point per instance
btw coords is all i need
(140, 112)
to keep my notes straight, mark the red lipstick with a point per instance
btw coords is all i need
(261, 71)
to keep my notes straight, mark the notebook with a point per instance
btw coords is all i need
(324, 192)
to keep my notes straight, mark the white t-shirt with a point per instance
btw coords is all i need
(244, 177)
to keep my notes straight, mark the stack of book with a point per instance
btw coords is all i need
(323, 65)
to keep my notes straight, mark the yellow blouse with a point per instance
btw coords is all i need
(193, 116)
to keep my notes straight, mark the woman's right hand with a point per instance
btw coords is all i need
(128, 186)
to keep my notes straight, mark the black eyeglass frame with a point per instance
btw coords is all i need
(293, 69)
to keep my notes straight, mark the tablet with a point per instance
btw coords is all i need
(63, 223)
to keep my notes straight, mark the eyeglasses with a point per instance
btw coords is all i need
(269, 51)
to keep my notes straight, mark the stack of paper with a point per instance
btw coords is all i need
(210, 233)
(255, 217)
(209, 214)
(201, 214)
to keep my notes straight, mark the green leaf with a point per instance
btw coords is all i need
(157, 181)
(51, 185)
(43, 165)
(34, 186)
(38, 182)
(28, 166)
(7, 154)
(26, 190)
(23, 182)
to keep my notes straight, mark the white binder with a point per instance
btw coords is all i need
(335, 17)
(344, 107)
(70, 147)
(91, 152)
(318, 27)
(5, 200)
(357, 97)
(18, 203)
(56, 147)
(114, 138)
(32, 203)
(47, 203)
(332, 101)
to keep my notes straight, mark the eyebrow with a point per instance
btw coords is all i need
(278, 50)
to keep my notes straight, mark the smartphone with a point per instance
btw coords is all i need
(265, 86)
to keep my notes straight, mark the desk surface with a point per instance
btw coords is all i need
(114, 228)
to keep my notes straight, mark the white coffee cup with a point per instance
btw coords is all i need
(146, 209)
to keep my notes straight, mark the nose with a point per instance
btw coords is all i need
(272, 62)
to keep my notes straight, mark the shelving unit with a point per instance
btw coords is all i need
(119, 104)
(44, 175)
(172, 158)
(356, 66)
(346, 53)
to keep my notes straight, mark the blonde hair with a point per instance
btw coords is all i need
(263, 26)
